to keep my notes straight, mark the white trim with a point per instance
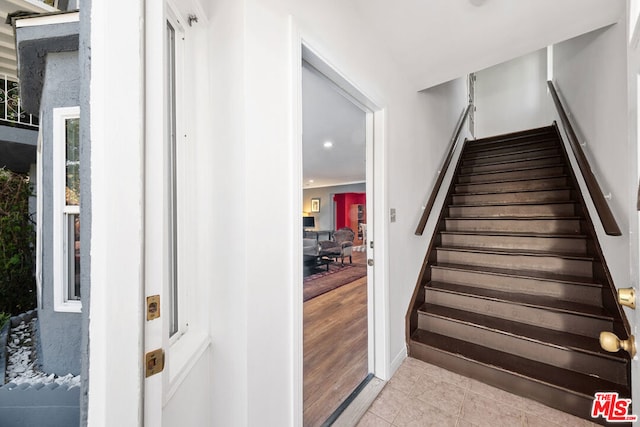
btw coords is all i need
(60, 283)
(297, 270)
(58, 18)
(378, 288)
(397, 361)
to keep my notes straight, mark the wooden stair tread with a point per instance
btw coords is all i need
(526, 252)
(516, 234)
(523, 274)
(565, 340)
(502, 162)
(480, 193)
(519, 218)
(531, 168)
(542, 302)
(522, 150)
(503, 181)
(473, 205)
(511, 136)
(540, 143)
(567, 380)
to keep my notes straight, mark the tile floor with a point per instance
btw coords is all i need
(420, 394)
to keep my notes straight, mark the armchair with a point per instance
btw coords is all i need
(341, 246)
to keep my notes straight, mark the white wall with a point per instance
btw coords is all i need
(253, 280)
(597, 75)
(590, 73)
(512, 96)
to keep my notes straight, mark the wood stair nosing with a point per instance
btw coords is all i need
(534, 283)
(516, 155)
(565, 225)
(561, 194)
(530, 172)
(507, 147)
(511, 164)
(525, 241)
(565, 316)
(533, 301)
(575, 264)
(574, 352)
(545, 131)
(497, 210)
(513, 184)
(556, 387)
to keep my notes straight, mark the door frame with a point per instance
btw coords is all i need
(377, 285)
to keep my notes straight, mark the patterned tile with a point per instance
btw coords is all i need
(553, 416)
(420, 394)
(486, 412)
(372, 420)
(417, 413)
(444, 395)
(388, 403)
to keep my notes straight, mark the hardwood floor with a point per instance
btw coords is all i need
(335, 347)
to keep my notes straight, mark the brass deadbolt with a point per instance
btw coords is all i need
(611, 343)
(627, 297)
(153, 307)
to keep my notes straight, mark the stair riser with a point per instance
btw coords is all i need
(551, 396)
(559, 226)
(517, 174)
(523, 197)
(549, 244)
(564, 209)
(585, 363)
(591, 295)
(556, 320)
(505, 148)
(574, 267)
(534, 184)
(502, 166)
(523, 155)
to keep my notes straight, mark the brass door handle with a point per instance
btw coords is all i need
(611, 343)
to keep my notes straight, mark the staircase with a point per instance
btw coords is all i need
(514, 290)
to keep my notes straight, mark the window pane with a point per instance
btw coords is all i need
(72, 162)
(73, 256)
(171, 184)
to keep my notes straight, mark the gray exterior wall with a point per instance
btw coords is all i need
(84, 53)
(59, 332)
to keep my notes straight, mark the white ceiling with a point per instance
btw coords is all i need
(328, 116)
(434, 41)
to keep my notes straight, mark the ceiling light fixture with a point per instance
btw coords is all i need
(327, 144)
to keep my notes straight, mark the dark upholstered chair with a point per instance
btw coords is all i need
(341, 246)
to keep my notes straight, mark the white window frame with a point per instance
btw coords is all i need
(175, 119)
(61, 302)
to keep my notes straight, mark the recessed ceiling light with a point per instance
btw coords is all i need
(327, 144)
(311, 181)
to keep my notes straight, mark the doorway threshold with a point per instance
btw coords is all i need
(356, 405)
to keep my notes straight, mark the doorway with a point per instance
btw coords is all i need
(337, 279)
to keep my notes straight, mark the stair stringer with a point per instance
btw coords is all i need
(417, 299)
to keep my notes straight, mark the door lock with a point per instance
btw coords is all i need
(153, 307)
(370, 262)
(154, 362)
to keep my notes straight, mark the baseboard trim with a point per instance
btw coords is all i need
(397, 361)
